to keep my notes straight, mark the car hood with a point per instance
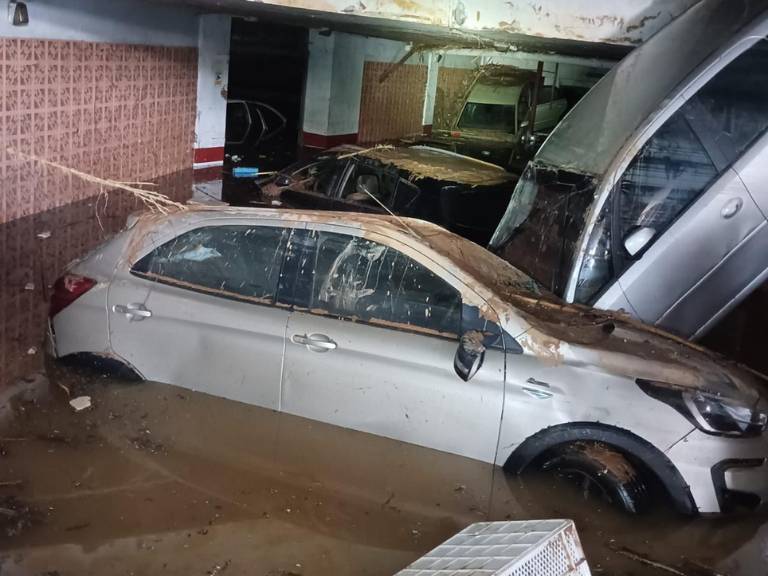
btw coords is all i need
(616, 343)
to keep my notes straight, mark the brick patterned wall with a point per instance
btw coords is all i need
(33, 252)
(124, 112)
(391, 109)
(118, 111)
(452, 87)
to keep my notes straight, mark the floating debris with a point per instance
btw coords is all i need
(80, 403)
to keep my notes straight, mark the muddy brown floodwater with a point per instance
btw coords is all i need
(157, 479)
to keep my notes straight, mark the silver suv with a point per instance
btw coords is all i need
(651, 195)
(396, 327)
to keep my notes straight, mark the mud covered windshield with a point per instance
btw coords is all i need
(543, 222)
(482, 116)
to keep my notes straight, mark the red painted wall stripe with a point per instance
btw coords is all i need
(209, 155)
(324, 141)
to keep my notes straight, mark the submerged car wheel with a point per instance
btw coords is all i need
(599, 470)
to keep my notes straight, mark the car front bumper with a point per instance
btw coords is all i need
(723, 472)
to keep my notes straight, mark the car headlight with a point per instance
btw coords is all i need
(723, 415)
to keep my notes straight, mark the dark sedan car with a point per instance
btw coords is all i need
(464, 195)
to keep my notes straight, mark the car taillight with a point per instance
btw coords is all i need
(66, 290)
(455, 134)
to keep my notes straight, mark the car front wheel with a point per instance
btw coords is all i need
(600, 471)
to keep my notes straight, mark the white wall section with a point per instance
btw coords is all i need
(212, 79)
(335, 79)
(117, 21)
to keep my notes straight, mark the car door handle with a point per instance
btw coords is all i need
(731, 208)
(315, 342)
(135, 311)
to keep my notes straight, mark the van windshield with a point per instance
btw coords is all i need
(481, 116)
(543, 222)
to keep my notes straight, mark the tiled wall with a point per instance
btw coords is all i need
(35, 249)
(118, 111)
(391, 109)
(452, 87)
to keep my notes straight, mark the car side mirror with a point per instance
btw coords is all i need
(638, 239)
(469, 355)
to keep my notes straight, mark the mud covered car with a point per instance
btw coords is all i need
(399, 328)
(464, 195)
(651, 195)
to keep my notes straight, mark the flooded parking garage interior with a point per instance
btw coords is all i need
(109, 109)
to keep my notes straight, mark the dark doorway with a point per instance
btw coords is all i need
(267, 70)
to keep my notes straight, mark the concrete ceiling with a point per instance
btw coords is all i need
(590, 28)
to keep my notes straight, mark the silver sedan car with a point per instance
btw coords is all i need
(399, 328)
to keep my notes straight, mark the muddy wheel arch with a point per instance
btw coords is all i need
(623, 440)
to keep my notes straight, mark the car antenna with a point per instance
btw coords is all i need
(395, 216)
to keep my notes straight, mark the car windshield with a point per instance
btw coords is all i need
(480, 116)
(543, 222)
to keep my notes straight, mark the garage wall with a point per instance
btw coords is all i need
(103, 87)
(120, 21)
(343, 95)
(118, 110)
(212, 87)
(393, 108)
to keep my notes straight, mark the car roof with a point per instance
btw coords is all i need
(636, 89)
(428, 162)
(453, 252)
(397, 225)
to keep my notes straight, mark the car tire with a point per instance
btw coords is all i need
(600, 469)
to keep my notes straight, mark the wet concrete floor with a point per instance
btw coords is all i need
(159, 479)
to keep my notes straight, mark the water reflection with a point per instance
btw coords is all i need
(33, 252)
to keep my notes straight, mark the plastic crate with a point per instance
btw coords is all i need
(520, 548)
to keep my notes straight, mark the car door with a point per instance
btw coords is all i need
(370, 345)
(198, 310)
(703, 243)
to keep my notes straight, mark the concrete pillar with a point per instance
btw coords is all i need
(212, 80)
(430, 91)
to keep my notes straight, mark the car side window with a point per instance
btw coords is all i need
(670, 171)
(238, 122)
(406, 195)
(326, 176)
(735, 101)
(366, 185)
(358, 279)
(240, 262)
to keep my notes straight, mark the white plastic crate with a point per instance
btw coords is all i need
(521, 548)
